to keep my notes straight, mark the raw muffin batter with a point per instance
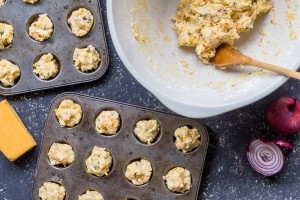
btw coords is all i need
(207, 24)
(108, 122)
(99, 162)
(178, 179)
(81, 21)
(90, 195)
(6, 35)
(147, 130)
(139, 172)
(86, 59)
(61, 154)
(41, 29)
(186, 139)
(31, 1)
(68, 113)
(9, 72)
(46, 67)
(52, 191)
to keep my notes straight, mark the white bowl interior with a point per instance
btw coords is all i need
(176, 75)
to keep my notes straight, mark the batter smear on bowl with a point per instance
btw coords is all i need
(207, 24)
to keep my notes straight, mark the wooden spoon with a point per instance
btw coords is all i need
(228, 56)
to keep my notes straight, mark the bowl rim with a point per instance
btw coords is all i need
(182, 108)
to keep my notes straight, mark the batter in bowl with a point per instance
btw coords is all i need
(207, 24)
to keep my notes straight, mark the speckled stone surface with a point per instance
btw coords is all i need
(227, 174)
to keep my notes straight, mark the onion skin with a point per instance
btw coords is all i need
(283, 115)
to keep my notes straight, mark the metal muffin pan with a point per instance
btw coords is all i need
(24, 50)
(124, 148)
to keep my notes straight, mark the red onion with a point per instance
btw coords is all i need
(265, 157)
(283, 115)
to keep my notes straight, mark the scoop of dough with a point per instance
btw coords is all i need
(186, 139)
(31, 1)
(81, 21)
(9, 72)
(147, 130)
(91, 195)
(46, 67)
(86, 59)
(6, 35)
(50, 191)
(99, 162)
(178, 179)
(68, 113)
(108, 122)
(61, 154)
(41, 29)
(139, 172)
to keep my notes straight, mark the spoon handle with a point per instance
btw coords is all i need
(273, 68)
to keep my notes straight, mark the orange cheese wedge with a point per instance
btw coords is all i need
(15, 140)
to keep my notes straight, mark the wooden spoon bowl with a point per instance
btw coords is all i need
(229, 56)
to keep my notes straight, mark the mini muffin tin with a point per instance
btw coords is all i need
(24, 51)
(124, 148)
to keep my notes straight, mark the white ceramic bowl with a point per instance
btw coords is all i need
(177, 77)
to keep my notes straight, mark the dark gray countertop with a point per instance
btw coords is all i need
(227, 174)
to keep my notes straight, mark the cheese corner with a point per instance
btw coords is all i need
(15, 140)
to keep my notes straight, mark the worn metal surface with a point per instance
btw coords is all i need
(24, 50)
(124, 147)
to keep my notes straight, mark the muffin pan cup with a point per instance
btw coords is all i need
(124, 148)
(24, 50)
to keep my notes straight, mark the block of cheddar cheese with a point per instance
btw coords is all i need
(15, 140)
